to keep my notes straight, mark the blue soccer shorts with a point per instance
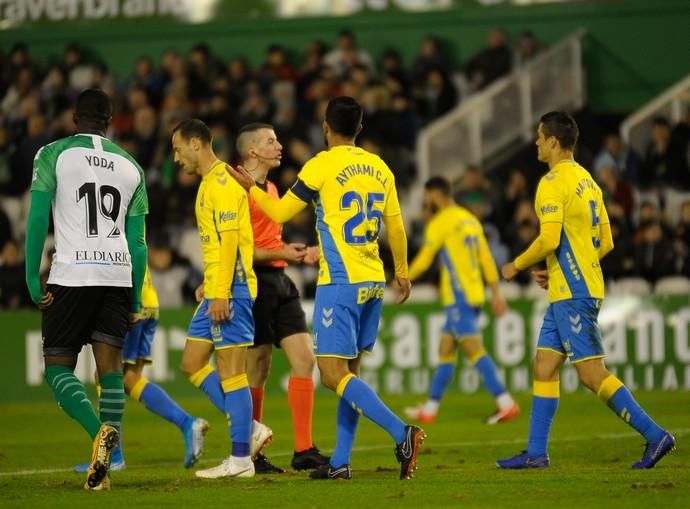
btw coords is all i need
(235, 332)
(462, 320)
(570, 328)
(346, 318)
(138, 342)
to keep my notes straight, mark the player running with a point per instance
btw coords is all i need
(136, 354)
(278, 315)
(354, 193)
(223, 320)
(98, 196)
(574, 235)
(467, 263)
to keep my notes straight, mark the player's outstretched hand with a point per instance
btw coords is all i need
(199, 293)
(403, 286)
(219, 309)
(312, 256)
(241, 175)
(46, 301)
(498, 304)
(541, 277)
(294, 252)
(509, 271)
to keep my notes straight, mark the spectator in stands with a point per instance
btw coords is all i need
(23, 160)
(5, 229)
(347, 53)
(430, 57)
(276, 66)
(21, 89)
(436, 95)
(145, 135)
(653, 258)
(55, 95)
(78, 71)
(655, 173)
(13, 290)
(679, 153)
(527, 231)
(617, 155)
(514, 191)
(616, 190)
(621, 261)
(682, 240)
(6, 151)
(527, 48)
(490, 63)
(392, 69)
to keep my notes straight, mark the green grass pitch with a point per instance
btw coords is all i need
(591, 453)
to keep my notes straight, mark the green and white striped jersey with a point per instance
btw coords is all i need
(95, 185)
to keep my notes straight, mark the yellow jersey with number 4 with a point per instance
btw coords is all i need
(569, 195)
(352, 191)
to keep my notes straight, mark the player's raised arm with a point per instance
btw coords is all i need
(280, 211)
(42, 193)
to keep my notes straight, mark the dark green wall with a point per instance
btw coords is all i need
(634, 49)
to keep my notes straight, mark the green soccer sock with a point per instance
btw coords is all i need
(70, 395)
(111, 403)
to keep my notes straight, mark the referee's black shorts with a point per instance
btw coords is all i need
(277, 310)
(86, 314)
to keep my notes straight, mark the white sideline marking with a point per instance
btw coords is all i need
(582, 438)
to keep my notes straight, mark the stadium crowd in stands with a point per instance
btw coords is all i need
(649, 211)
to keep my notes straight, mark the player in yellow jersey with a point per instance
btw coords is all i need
(223, 320)
(574, 235)
(136, 354)
(354, 194)
(466, 264)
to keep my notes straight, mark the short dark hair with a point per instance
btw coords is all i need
(194, 128)
(344, 115)
(94, 105)
(662, 121)
(245, 135)
(561, 126)
(440, 184)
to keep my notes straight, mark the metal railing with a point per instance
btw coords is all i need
(635, 129)
(504, 113)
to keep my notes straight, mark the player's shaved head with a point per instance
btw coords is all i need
(93, 110)
(344, 116)
(194, 128)
(561, 126)
(249, 135)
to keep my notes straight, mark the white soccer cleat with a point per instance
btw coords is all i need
(231, 467)
(261, 437)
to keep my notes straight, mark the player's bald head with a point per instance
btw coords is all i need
(94, 109)
(250, 135)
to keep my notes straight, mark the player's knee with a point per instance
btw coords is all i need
(189, 366)
(304, 366)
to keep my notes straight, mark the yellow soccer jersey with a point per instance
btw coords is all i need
(568, 195)
(467, 261)
(149, 295)
(352, 190)
(222, 205)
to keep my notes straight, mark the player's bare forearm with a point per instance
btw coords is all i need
(292, 253)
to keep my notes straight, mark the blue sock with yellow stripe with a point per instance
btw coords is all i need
(207, 380)
(159, 402)
(238, 409)
(487, 370)
(363, 399)
(544, 406)
(442, 376)
(621, 401)
(346, 427)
